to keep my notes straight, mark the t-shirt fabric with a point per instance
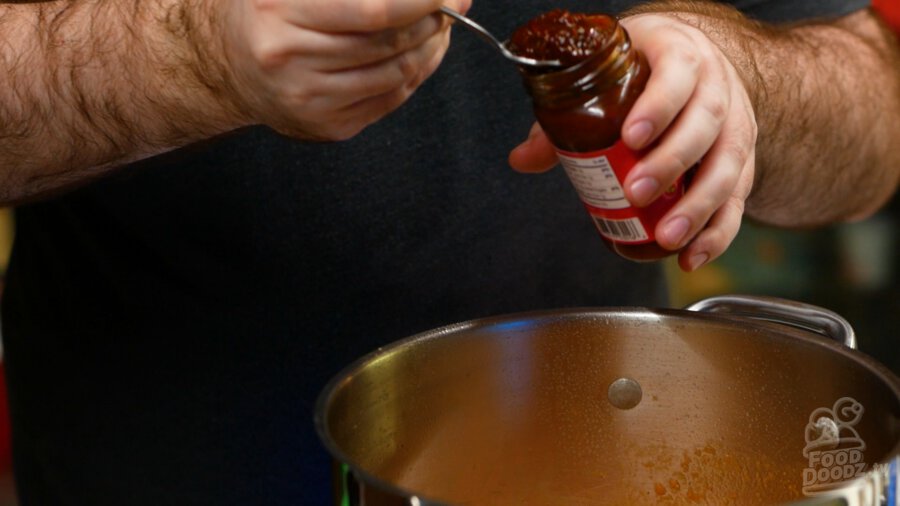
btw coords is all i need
(167, 329)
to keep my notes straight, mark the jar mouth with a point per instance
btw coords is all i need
(582, 75)
(602, 50)
(600, 69)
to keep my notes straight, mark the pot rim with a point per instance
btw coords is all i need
(320, 419)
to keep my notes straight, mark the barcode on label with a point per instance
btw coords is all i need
(621, 230)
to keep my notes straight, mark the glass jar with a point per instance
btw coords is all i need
(581, 109)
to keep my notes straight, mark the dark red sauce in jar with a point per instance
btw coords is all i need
(561, 35)
(581, 107)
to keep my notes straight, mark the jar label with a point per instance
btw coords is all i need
(597, 177)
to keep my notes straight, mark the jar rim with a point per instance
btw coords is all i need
(582, 76)
(597, 62)
(601, 51)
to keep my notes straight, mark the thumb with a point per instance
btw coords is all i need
(535, 154)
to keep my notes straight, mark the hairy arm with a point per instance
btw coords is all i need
(834, 123)
(790, 125)
(826, 98)
(90, 85)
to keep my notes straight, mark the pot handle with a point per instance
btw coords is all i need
(786, 312)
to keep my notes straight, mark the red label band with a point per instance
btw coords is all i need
(598, 176)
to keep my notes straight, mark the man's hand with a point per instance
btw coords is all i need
(90, 86)
(696, 109)
(825, 96)
(325, 69)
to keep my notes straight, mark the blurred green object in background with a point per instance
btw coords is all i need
(851, 269)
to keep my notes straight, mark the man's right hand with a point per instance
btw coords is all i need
(326, 69)
(107, 83)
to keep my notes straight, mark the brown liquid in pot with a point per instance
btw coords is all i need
(540, 431)
(705, 474)
(519, 414)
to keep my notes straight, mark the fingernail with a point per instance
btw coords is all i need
(675, 230)
(643, 190)
(698, 260)
(639, 134)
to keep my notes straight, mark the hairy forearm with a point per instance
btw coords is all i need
(834, 120)
(90, 85)
(826, 98)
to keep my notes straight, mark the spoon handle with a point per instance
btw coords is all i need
(487, 36)
(474, 26)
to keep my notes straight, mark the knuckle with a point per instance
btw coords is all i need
(266, 51)
(298, 101)
(269, 58)
(689, 60)
(735, 206)
(299, 98)
(707, 204)
(718, 196)
(753, 130)
(676, 162)
(727, 230)
(718, 235)
(667, 103)
(430, 66)
(742, 152)
(716, 106)
(397, 40)
(407, 67)
(375, 14)
(713, 240)
(741, 146)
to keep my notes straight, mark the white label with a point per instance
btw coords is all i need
(628, 230)
(595, 181)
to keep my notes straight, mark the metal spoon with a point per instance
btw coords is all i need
(486, 35)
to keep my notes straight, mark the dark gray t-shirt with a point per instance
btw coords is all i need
(167, 329)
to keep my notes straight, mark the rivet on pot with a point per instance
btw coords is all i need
(624, 393)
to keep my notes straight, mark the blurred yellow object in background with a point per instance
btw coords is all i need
(7, 229)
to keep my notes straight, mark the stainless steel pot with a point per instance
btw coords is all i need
(737, 400)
